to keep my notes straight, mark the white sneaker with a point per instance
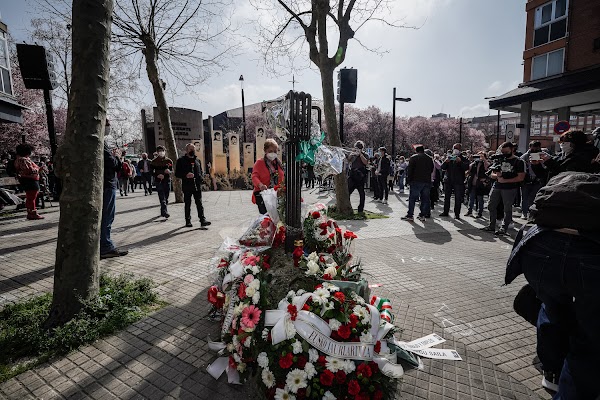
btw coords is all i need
(384, 201)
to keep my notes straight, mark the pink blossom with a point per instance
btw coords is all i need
(248, 279)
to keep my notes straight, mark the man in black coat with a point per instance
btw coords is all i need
(382, 172)
(189, 170)
(454, 181)
(112, 165)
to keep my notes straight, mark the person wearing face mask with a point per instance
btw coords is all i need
(161, 168)
(455, 166)
(29, 179)
(189, 170)
(266, 173)
(358, 161)
(507, 180)
(576, 155)
(533, 181)
(146, 170)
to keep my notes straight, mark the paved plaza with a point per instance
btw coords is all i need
(445, 277)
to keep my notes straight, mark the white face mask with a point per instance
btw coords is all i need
(566, 147)
(272, 156)
(161, 153)
(456, 151)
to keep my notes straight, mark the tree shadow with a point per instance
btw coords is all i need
(26, 246)
(25, 279)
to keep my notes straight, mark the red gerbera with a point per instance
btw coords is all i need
(326, 378)
(353, 387)
(344, 331)
(286, 361)
(340, 296)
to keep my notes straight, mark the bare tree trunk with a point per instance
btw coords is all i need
(163, 112)
(342, 196)
(78, 247)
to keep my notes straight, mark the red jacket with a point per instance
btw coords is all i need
(260, 174)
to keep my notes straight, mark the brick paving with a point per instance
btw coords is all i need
(443, 276)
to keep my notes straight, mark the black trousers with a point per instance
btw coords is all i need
(384, 189)
(459, 195)
(187, 200)
(260, 203)
(356, 181)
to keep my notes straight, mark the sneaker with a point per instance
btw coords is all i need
(488, 229)
(421, 218)
(204, 222)
(444, 214)
(188, 224)
(407, 218)
(114, 253)
(550, 381)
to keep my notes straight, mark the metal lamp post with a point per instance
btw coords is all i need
(395, 99)
(243, 108)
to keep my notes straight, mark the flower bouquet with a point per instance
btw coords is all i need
(260, 233)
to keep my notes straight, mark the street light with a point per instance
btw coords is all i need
(395, 99)
(243, 108)
(497, 124)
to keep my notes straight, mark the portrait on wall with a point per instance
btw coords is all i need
(233, 140)
(217, 136)
(260, 133)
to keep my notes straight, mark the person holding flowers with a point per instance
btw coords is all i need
(267, 173)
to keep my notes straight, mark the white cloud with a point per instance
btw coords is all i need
(477, 110)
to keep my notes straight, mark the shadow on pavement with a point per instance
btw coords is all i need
(26, 279)
(26, 246)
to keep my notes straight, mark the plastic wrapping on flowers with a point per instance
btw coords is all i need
(261, 232)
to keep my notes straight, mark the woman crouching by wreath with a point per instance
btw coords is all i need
(267, 173)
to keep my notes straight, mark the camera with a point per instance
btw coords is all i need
(496, 166)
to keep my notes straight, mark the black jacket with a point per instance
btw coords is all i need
(420, 168)
(385, 169)
(580, 160)
(184, 166)
(112, 165)
(455, 171)
(140, 165)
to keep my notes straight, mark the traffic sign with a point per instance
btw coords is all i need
(561, 127)
(510, 131)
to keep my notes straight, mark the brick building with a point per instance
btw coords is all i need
(561, 69)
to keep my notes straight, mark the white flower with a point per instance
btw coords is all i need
(268, 378)
(230, 347)
(366, 337)
(320, 295)
(331, 287)
(313, 256)
(265, 333)
(291, 293)
(348, 366)
(237, 310)
(281, 394)
(334, 324)
(256, 297)
(250, 291)
(329, 396)
(296, 379)
(241, 367)
(255, 269)
(334, 364)
(310, 370)
(313, 268)
(262, 360)
(326, 307)
(236, 357)
(255, 284)
(362, 313)
(331, 271)
(290, 330)
(248, 342)
(300, 292)
(313, 355)
(297, 347)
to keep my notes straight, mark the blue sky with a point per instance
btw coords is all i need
(463, 51)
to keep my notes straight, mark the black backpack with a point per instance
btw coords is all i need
(569, 200)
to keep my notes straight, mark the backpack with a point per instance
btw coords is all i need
(126, 170)
(569, 200)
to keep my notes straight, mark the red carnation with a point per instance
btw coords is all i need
(301, 394)
(323, 225)
(374, 367)
(353, 320)
(316, 215)
(306, 307)
(266, 265)
(242, 291)
(327, 277)
(377, 347)
(362, 396)
(301, 361)
(363, 371)
(350, 235)
(286, 361)
(326, 378)
(340, 377)
(344, 331)
(340, 296)
(321, 361)
(321, 259)
(293, 311)
(331, 236)
(319, 286)
(378, 395)
(353, 387)
(215, 297)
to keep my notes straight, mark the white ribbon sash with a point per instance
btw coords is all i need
(221, 364)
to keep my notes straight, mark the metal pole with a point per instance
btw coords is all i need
(243, 115)
(394, 126)
(50, 120)
(342, 123)
(498, 131)
(460, 131)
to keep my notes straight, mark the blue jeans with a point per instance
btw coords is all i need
(109, 197)
(474, 196)
(401, 180)
(422, 190)
(528, 192)
(163, 188)
(564, 271)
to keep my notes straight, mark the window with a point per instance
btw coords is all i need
(5, 81)
(548, 64)
(550, 22)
